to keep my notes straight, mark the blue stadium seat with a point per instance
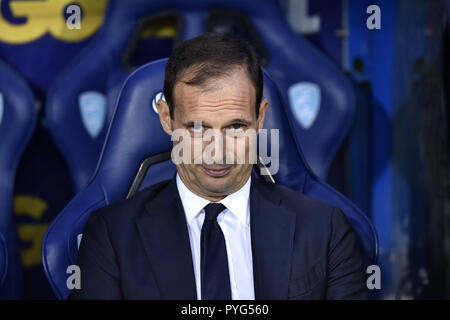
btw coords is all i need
(135, 134)
(17, 122)
(81, 103)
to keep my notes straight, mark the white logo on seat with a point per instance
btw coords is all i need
(156, 99)
(1, 107)
(93, 111)
(79, 237)
(304, 100)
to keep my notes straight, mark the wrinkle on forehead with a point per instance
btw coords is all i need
(232, 94)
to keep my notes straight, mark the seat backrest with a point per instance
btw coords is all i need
(81, 103)
(17, 122)
(134, 134)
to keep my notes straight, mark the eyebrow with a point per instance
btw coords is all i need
(191, 123)
(241, 121)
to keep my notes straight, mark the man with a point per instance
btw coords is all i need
(214, 231)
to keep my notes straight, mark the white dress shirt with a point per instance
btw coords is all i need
(235, 224)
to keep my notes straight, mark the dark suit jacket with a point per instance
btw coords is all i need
(140, 249)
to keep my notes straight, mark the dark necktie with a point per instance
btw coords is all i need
(215, 279)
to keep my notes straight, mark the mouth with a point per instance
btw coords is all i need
(217, 172)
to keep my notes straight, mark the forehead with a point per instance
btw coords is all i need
(226, 96)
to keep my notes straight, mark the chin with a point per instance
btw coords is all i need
(218, 186)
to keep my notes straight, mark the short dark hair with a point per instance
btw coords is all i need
(213, 55)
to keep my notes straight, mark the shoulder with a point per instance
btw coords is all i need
(127, 209)
(320, 228)
(292, 199)
(310, 213)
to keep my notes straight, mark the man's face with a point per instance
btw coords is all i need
(227, 105)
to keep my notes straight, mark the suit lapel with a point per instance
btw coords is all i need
(272, 233)
(164, 233)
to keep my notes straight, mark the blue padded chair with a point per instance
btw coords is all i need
(134, 135)
(17, 122)
(81, 103)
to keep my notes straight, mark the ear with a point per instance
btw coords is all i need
(164, 116)
(262, 113)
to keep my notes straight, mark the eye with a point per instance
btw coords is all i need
(196, 127)
(236, 126)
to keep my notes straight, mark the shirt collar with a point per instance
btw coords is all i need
(236, 203)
